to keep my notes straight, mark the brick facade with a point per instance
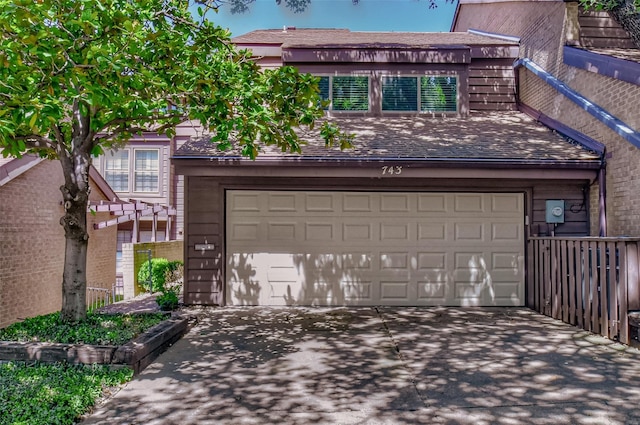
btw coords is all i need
(32, 245)
(544, 28)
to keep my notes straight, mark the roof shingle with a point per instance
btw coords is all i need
(501, 136)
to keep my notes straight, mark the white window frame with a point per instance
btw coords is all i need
(126, 170)
(419, 109)
(134, 171)
(131, 171)
(342, 111)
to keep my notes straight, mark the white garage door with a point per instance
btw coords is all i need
(374, 248)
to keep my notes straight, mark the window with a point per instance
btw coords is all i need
(345, 93)
(146, 170)
(116, 170)
(436, 94)
(399, 93)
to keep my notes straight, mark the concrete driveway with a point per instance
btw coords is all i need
(382, 366)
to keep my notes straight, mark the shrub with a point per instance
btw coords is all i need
(175, 271)
(159, 267)
(168, 300)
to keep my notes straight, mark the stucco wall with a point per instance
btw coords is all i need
(32, 245)
(544, 27)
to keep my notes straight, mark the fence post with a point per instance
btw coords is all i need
(633, 278)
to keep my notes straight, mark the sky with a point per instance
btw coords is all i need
(368, 15)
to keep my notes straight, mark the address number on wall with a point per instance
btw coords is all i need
(388, 170)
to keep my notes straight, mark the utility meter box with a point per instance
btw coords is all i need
(555, 211)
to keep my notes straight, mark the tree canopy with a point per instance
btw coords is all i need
(82, 76)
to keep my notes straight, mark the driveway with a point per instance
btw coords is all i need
(382, 366)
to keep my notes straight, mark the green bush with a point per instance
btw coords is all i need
(168, 300)
(159, 267)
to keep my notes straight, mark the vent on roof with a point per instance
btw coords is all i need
(286, 28)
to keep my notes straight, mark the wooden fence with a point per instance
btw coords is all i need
(592, 283)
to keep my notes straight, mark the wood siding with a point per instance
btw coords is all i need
(205, 214)
(599, 29)
(204, 225)
(576, 203)
(492, 85)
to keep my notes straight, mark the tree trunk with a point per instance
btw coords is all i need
(627, 15)
(75, 193)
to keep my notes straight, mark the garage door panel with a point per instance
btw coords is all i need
(283, 202)
(352, 202)
(357, 232)
(469, 203)
(282, 232)
(433, 290)
(319, 232)
(395, 232)
(433, 231)
(394, 261)
(396, 203)
(245, 231)
(367, 248)
(431, 260)
(320, 203)
(509, 232)
(469, 232)
(432, 203)
(506, 203)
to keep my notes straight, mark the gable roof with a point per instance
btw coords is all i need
(345, 38)
(10, 167)
(489, 138)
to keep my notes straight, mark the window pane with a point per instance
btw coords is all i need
(116, 170)
(323, 85)
(146, 170)
(350, 94)
(399, 94)
(438, 94)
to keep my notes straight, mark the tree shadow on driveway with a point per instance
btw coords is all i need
(382, 365)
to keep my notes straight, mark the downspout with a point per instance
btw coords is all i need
(596, 111)
(602, 198)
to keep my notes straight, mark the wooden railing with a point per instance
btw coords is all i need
(592, 283)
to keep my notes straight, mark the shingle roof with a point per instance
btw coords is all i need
(362, 39)
(505, 136)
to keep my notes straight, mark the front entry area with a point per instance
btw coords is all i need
(333, 248)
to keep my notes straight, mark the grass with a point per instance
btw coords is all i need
(97, 329)
(34, 394)
(53, 394)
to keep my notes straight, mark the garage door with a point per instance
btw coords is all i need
(374, 248)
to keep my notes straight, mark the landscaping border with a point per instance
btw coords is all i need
(137, 354)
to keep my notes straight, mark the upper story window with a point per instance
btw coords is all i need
(146, 172)
(345, 93)
(139, 166)
(420, 94)
(116, 170)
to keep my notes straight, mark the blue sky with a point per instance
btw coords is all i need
(368, 15)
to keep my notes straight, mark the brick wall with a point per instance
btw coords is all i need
(134, 255)
(544, 27)
(32, 245)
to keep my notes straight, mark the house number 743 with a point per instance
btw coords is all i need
(391, 169)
